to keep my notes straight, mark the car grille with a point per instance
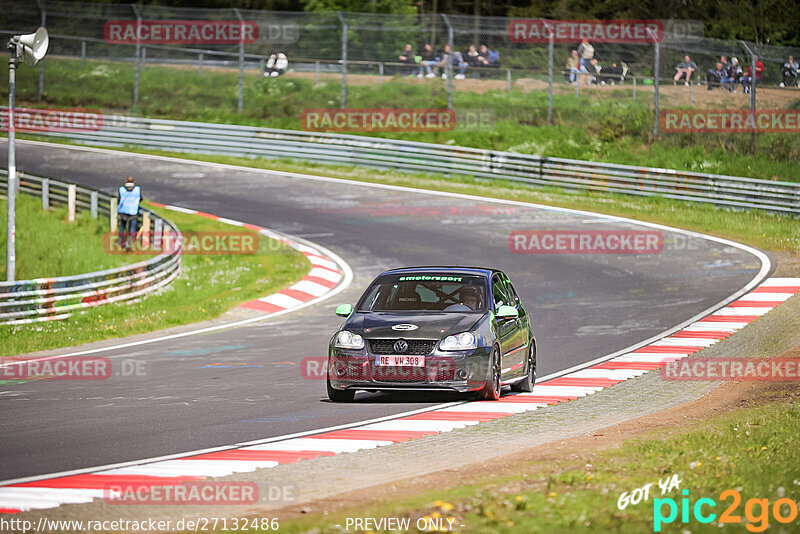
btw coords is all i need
(416, 347)
(432, 372)
(399, 374)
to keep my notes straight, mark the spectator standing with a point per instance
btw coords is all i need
(573, 67)
(685, 69)
(789, 72)
(747, 79)
(129, 196)
(429, 59)
(714, 76)
(586, 54)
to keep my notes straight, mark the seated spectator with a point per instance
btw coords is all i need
(572, 67)
(429, 59)
(276, 64)
(789, 73)
(458, 63)
(616, 73)
(489, 58)
(732, 75)
(685, 69)
(471, 58)
(594, 70)
(714, 76)
(407, 56)
(747, 79)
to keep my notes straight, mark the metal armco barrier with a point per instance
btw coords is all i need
(408, 156)
(44, 299)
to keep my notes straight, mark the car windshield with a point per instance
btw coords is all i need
(426, 292)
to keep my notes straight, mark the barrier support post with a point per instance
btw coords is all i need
(145, 230)
(93, 204)
(157, 231)
(112, 215)
(72, 191)
(45, 194)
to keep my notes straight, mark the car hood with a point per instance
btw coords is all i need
(429, 325)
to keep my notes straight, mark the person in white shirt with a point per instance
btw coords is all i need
(276, 64)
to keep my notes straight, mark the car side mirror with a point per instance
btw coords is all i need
(344, 310)
(507, 312)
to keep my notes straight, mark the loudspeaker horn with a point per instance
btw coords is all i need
(34, 46)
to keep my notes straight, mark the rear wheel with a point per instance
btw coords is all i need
(340, 395)
(491, 391)
(526, 385)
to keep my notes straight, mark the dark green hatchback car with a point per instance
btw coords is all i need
(461, 329)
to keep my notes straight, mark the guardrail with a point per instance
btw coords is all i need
(409, 156)
(44, 299)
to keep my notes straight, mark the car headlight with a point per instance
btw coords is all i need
(349, 340)
(463, 341)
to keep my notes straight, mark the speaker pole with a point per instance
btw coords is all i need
(11, 260)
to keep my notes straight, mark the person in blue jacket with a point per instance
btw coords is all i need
(129, 197)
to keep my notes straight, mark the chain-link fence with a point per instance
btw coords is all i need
(364, 49)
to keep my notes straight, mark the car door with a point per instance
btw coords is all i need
(507, 328)
(521, 339)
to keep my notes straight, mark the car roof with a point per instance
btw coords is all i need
(480, 271)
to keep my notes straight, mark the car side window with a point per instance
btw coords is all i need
(499, 292)
(512, 293)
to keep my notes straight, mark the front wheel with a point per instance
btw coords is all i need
(340, 395)
(526, 385)
(491, 391)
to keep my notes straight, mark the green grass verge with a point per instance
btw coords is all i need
(48, 245)
(208, 286)
(755, 451)
(601, 127)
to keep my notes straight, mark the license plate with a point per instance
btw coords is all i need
(405, 361)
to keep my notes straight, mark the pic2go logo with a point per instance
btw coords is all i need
(756, 511)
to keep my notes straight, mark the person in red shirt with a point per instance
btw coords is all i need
(747, 79)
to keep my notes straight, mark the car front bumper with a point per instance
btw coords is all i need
(460, 371)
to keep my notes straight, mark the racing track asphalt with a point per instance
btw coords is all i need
(583, 307)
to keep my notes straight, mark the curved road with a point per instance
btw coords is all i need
(584, 306)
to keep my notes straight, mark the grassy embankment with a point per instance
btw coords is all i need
(602, 124)
(208, 285)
